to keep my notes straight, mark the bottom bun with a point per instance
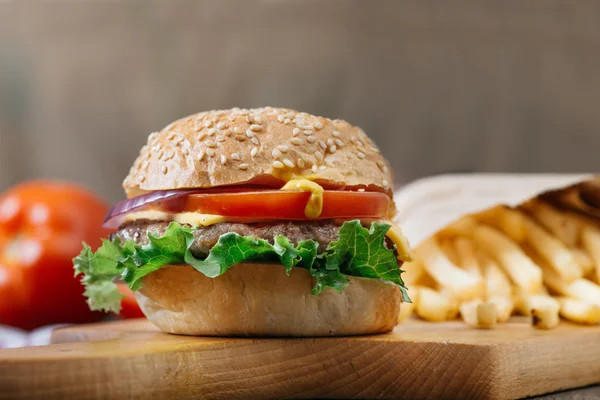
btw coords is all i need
(261, 300)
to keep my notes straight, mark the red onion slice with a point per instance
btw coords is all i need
(116, 215)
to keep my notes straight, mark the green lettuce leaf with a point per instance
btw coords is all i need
(358, 252)
(362, 252)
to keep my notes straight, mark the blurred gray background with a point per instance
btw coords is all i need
(486, 86)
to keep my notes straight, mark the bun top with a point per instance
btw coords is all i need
(262, 146)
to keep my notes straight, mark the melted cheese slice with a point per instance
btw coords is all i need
(190, 218)
(402, 246)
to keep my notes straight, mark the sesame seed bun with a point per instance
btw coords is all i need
(261, 300)
(265, 146)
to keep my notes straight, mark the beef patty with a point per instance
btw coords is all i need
(322, 232)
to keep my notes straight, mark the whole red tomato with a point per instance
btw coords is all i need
(42, 226)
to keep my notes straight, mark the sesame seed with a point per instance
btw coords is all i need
(207, 123)
(223, 159)
(385, 170)
(332, 148)
(210, 143)
(231, 117)
(307, 132)
(277, 164)
(210, 152)
(171, 136)
(249, 133)
(185, 152)
(226, 132)
(318, 125)
(161, 154)
(322, 168)
(249, 118)
(319, 155)
(322, 144)
(280, 118)
(236, 129)
(283, 148)
(211, 131)
(385, 183)
(258, 119)
(314, 169)
(254, 151)
(375, 149)
(311, 139)
(201, 155)
(299, 122)
(287, 121)
(296, 131)
(361, 155)
(255, 141)
(300, 163)
(288, 163)
(339, 143)
(221, 125)
(255, 128)
(330, 164)
(240, 138)
(201, 137)
(170, 154)
(220, 138)
(309, 127)
(235, 156)
(164, 169)
(329, 142)
(336, 133)
(145, 165)
(361, 190)
(276, 153)
(141, 178)
(297, 141)
(243, 166)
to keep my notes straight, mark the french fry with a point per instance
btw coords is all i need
(507, 220)
(590, 239)
(584, 260)
(461, 227)
(564, 226)
(523, 229)
(478, 314)
(498, 288)
(453, 303)
(581, 289)
(544, 311)
(522, 271)
(504, 307)
(496, 281)
(462, 284)
(465, 254)
(579, 311)
(406, 309)
(433, 305)
(413, 271)
(448, 250)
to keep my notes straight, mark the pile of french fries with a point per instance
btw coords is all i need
(536, 260)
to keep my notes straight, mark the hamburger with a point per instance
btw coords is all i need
(255, 222)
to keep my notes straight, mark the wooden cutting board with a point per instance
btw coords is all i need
(132, 359)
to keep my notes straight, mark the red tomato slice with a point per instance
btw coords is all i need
(277, 204)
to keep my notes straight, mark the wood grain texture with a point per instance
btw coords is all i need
(418, 360)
